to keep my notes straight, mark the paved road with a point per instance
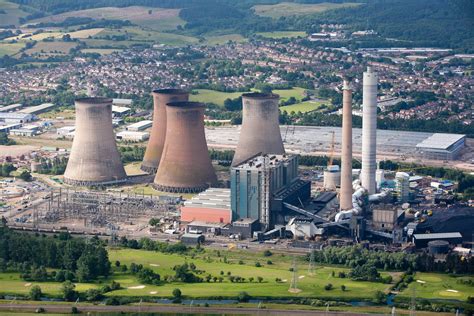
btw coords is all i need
(167, 309)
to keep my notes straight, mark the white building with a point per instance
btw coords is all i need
(132, 136)
(139, 126)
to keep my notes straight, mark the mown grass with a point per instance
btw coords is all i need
(10, 49)
(217, 97)
(224, 39)
(439, 286)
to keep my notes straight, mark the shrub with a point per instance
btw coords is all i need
(269, 262)
(35, 293)
(243, 297)
(343, 287)
(267, 253)
(257, 264)
(328, 287)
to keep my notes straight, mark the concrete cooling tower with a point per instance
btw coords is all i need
(156, 142)
(94, 158)
(185, 165)
(260, 131)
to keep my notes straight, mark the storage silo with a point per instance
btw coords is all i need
(156, 142)
(94, 158)
(260, 130)
(185, 165)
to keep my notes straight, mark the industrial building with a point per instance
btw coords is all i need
(261, 184)
(139, 126)
(132, 136)
(12, 118)
(154, 149)
(212, 206)
(119, 111)
(25, 130)
(94, 158)
(442, 146)
(9, 127)
(260, 132)
(38, 109)
(422, 240)
(185, 165)
(11, 107)
(65, 130)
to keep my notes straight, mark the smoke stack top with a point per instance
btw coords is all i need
(186, 104)
(170, 91)
(94, 100)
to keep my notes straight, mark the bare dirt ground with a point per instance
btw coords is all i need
(16, 150)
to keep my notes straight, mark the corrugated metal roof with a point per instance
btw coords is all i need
(440, 141)
(437, 236)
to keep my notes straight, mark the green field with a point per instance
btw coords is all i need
(217, 97)
(102, 51)
(282, 34)
(10, 49)
(141, 35)
(302, 107)
(223, 39)
(154, 18)
(440, 286)
(289, 9)
(45, 49)
(311, 286)
(13, 13)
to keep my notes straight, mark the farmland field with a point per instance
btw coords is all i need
(223, 39)
(217, 97)
(10, 49)
(289, 9)
(302, 107)
(442, 286)
(102, 51)
(282, 34)
(137, 34)
(154, 18)
(12, 13)
(46, 49)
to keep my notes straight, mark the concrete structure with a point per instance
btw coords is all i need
(212, 206)
(346, 148)
(139, 126)
(185, 165)
(442, 146)
(25, 130)
(254, 181)
(369, 131)
(119, 111)
(260, 132)
(384, 218)
(155, 145)
(332, 178)
(9, 127)
(302, 227)
(45, 107)
(94, 158)
(132, 136)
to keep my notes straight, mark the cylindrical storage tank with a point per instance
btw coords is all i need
(332, 179)
(185, 165)
(438, 247)
(156, 142)
(260, 130)
(94, 158)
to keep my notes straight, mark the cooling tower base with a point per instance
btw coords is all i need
(148, 169)
(169, 189)
(81, 183)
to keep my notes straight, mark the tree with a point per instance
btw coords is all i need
(68, 291)
(93, 295)
(259, 279)
(380, 297)
(177, 295)
(328, 287)
(243, 297)
(267, 253)
(25, 175)
(35, 293)
(343, 287)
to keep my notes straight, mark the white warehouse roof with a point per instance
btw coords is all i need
(440, 141)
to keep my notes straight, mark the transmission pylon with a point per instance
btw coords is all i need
(413, 301)
(294, 278)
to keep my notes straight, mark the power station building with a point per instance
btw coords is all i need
(94, 158)
(441, 146)
(260, 182)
